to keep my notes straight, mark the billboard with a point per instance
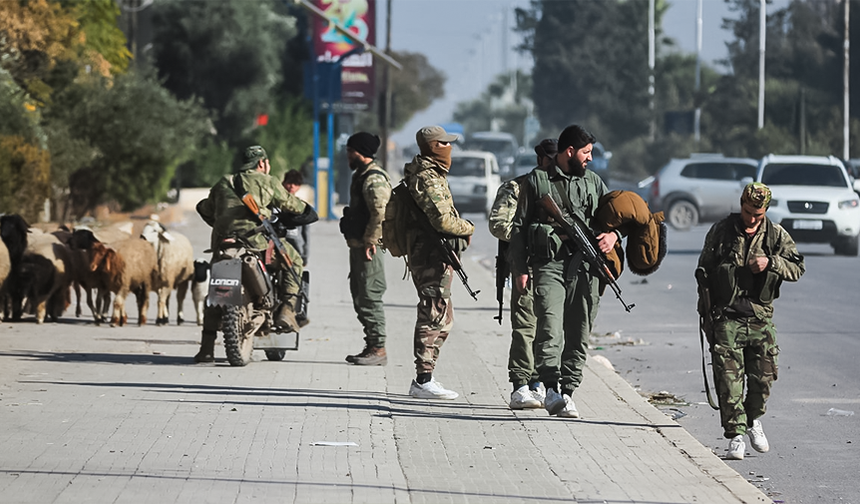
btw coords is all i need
(359, 17)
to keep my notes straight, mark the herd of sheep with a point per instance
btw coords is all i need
(39, 270)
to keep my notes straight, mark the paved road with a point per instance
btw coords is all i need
(99, 414)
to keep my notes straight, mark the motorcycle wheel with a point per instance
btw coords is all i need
(237, 344)
(275, 355)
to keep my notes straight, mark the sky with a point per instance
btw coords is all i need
(464, 39)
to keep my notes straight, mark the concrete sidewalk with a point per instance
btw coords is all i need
(98, 414)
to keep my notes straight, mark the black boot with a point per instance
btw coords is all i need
(207, 347)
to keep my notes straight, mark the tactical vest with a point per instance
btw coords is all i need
(732, 282)
(356, 216)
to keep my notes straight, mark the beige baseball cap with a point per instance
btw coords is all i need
(429, 134)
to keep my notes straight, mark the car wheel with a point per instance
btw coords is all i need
(683, 215)
(847, 246)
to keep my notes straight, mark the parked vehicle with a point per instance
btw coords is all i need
(526, 161)
(600, 161)
(503, 145)
(474, 180)
(704, 187)
(246, 292)
(813, 199)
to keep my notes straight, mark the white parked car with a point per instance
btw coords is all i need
(813, 199)
(474, 180)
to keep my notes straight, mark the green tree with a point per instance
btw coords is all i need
(501, 104)
(227, 53)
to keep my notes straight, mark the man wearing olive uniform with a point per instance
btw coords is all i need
(744, 260)
(426, 178)
(565, 288)
(369, 192)
(527, 392)
(229, 217)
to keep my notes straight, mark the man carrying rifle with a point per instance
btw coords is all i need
(229, 217)
(432, 271)
(565, 287)
(527, 391)
(744, 260)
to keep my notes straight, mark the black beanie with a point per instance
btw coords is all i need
(364, 143)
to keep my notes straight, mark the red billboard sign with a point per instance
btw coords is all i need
(359, 17)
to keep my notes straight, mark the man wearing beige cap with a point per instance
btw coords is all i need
(426, 179)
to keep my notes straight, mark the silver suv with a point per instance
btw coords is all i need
(813, 199)
(705, 187)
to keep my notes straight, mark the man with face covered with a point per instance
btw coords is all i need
(369, 192)
(426, 179)
(565, 289)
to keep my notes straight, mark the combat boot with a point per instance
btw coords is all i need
(375, 356)
(285, 318)
(207, 347)
(363, 353)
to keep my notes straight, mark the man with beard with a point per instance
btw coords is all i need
(565, 289)
(361, 225)
(426, 179)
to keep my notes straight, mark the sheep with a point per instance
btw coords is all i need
(126, 266)
(13, 232)
(175, 268)
(80, 242)
(45, 276)
(200, 287)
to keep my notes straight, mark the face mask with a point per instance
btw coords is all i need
(441, 155)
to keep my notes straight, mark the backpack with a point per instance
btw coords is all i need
(395, 224)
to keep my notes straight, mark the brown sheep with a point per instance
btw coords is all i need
(127, 266)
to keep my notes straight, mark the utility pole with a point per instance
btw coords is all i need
(762, 33)
(697, 115)
(652, 50)
(386, 75)
(846, 130)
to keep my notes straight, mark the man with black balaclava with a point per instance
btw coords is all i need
(361, 225)
(426, 179)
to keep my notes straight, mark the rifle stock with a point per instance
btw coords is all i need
(585, 242)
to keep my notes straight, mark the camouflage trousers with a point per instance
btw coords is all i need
(432, 279)
(367, 285)
(521, 358)
(565, 303)
(743, 347)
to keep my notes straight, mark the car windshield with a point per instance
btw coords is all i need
(501, 148)
(467, 167)
(803, 174)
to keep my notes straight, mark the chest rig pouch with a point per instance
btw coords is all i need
(733, 282)
(544, 235)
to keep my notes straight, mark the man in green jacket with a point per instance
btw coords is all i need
(229, 217)
(565, 289)
(744, 260)
(426, 178)
(361, 225)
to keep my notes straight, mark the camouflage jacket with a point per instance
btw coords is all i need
(368, 195)
(428, 186)
(501, 220)
(228, 216)
(726, 253)
(583, 192)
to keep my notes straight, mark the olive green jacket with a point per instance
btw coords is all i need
(228, 216)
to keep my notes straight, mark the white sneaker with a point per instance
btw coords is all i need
(554, 402)
(431, 390)
(569, 410)
(737, 447)
(522, 398)
(757, 438)
(539, 394)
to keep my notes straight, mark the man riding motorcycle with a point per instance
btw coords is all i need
(224, 210)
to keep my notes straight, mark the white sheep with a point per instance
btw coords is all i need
(175, 268)
(200, 287)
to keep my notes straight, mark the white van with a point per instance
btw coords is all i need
(474, 180)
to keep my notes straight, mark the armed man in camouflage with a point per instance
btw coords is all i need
(426, 178)
(527, 392)
(224, 210)
(743, 262)
(361, 225)
(565, 289)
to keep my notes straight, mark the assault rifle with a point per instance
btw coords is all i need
(269, 231)
(585, 241)
(448, 251)
(502, 273)
(706, 326)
